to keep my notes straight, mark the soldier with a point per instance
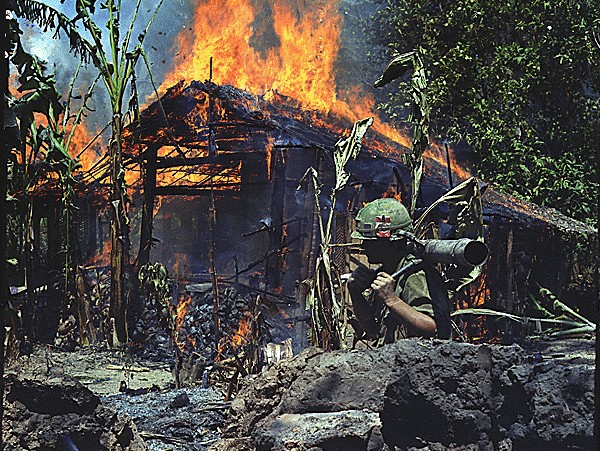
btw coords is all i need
(387, 313)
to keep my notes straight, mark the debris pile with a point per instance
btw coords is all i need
(89, 308)
(421, 395)
(185, 419)
(198, 348)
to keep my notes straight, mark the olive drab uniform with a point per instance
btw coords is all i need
(386, 219)
(412, 289)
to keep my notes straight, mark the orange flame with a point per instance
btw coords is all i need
(294, 58)
(269, 156)
(300, 64)
(102, 258)
(183, 306)
(391, 193)
(80, 140)
(181, 266)
(481, 292)
(243, 333)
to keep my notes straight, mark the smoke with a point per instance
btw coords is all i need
(353, 68)
(173, 17)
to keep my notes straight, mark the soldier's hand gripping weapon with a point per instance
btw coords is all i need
(464, 252)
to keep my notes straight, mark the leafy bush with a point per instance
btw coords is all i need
(518, 82)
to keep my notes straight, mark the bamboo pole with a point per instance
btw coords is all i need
(212, 219)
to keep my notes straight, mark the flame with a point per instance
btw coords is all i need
(480, 291)
(391, 193)
(279, 49)
(242, 336)
(182, 340)
(244, 331)
(437, 152)
(158, 200)
(269, 155)
(102, 258)
(296, 60)
(181, 266)
(81, 139)
(199, 176)
(183, 306)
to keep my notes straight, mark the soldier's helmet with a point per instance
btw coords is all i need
(382, 218)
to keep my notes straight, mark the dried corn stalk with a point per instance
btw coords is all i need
(329, 323)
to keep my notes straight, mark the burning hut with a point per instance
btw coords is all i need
(215, 175)
(222, 200)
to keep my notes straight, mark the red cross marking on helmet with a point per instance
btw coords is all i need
(381, 222)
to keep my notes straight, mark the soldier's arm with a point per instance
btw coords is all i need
(417, 323)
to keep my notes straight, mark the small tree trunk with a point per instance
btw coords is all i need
(87, 330)
(119, 236)
(148, 206)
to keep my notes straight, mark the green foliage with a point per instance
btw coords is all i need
(154, 282)
(518, 82)
(420, 113)
(116, 64)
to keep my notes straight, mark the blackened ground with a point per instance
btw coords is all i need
(98, 398)
(412, 395)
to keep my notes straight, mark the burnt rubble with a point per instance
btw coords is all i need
(92, 398)
(421, 395)
(186, 419)
(412, 395)
(60, 413)
(196, 347)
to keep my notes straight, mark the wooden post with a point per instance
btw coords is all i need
(212, 220)
(87, 330)
(273, 270)
(149, 175)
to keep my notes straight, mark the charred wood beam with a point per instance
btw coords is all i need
(241, 124)
(268, 227)
(282, 299)
(232, 385)
(296, 146)
(281, 252)
(149, 176)
(212, 153)
(276, 235)
(190, 190)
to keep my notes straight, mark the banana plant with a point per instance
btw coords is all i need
(420, 113)
(115, 58)
(45, 148)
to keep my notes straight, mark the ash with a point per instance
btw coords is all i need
(141, 392)
(177, 419)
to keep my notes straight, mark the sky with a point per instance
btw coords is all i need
(173, 16)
